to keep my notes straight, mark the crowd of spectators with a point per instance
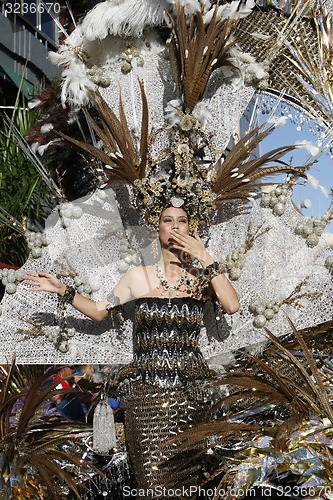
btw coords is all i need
(80, 388)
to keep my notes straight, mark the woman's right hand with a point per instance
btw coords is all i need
(46, 282)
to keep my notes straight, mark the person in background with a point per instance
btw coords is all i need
(68, 404)
(88, 390)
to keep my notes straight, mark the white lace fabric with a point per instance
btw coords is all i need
(89, 247)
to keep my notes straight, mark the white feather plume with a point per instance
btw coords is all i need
(190, 6)
(76, 84)
(125, 18)
(34, 103)
(235, 10)
(278, 121)
(313, 181)
(44, 147)
(46, 128)
(311, 148)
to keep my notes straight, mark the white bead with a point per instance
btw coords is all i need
(269, 314)
(253, 306)
(11, 288)
(273, 201)
(77, 212)
(63, 347)
(259, 321)
(312, 240)
(307, 230)
(299, 229)
(36, 252)
(235, 273)
(122, 266)
(329, 261)
(67, 214)
(279, 209)
(260, 309)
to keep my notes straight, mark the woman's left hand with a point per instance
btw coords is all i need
(193, 245)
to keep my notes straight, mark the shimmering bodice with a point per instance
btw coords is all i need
(166, 350)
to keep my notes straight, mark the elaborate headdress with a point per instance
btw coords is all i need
(185, 171)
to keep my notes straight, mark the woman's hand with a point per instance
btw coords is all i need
(220, 284)
(44, 282)
(193, 245)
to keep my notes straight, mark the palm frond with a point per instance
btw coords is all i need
(218, 428)
(317, 388)
(258, 387)
(24, 185)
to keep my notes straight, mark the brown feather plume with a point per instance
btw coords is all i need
(238, 175)
(196, 50)
(123, 161)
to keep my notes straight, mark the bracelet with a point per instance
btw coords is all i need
(116, 314)
(210, 272)
(112, 300)
(67, 298)
(114, 309)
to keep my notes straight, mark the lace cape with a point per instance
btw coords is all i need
(92, 247)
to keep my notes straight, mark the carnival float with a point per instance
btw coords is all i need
(150, 99)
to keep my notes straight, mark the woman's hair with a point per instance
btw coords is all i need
(171, 206)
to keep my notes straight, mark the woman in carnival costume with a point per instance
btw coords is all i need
(165, 391)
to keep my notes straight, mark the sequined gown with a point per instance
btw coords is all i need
(167, 395)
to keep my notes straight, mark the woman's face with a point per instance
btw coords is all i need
(172, 218)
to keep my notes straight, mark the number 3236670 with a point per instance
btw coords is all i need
(32, 8)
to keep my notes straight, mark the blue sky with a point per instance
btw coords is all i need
(297, 129)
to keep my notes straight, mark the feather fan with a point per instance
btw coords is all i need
(123, 161)
(30, 441)
(303, 395)
(196, 50)
(238, 174)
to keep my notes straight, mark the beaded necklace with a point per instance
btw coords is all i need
(175, 287)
